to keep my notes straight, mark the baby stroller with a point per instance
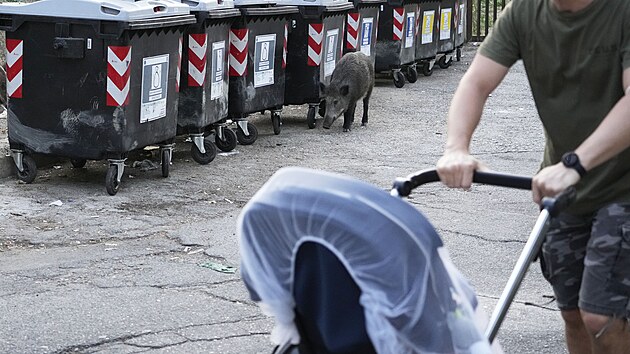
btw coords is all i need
(345, 267)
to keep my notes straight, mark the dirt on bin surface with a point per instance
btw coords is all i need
(150, 269)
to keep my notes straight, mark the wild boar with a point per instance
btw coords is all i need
(352, 80)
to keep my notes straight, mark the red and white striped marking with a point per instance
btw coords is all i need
(197, 58)
(284, 47)
(418, 19)
(15, 64)
(352, 38)
(399, 21)
(315, 41)
(118, 72)
(179, 66)
(238, 51)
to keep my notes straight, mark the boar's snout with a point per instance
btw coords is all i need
(328, 121)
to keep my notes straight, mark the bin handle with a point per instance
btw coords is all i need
(109, 10)
(191, 3)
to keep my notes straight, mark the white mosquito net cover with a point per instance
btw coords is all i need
(390, 250)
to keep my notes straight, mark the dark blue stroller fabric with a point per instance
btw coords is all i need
(322, 282)
(412, 298)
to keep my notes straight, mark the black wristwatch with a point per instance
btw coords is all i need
(571, 160)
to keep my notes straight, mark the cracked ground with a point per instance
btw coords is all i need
(84, 272)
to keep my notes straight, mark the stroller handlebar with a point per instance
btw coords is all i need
(403, 186)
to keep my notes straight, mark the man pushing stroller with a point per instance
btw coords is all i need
(578, 74)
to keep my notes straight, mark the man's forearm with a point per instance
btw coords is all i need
(464, 115)
(610, 138)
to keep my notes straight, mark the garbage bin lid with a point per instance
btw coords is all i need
(208, 5)
(113, 10)
(254, 2)
(312, 2)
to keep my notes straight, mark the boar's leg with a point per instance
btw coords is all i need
(348, 117)
(366, 104)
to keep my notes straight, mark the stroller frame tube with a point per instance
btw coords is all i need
(528, 255)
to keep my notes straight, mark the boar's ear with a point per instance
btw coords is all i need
(322, 88)
(344, 90)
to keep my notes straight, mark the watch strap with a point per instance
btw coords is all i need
(574, 162)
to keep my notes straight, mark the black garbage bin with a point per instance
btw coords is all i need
(428, 31)
(203, 96)
(446, 37)
(315, 46)
(395, 44)
(92, 80)
(361, 27)
(460, 22)
(257, 62)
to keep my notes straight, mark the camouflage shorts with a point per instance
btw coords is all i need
(587, 261)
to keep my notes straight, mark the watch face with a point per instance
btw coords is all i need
(570, 159)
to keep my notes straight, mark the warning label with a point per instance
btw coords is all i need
(264, 57)
(445, 23)
(330, 54)
(154, 88)
(216, 81)
(366, 35)
(411, 25)
(428, 19)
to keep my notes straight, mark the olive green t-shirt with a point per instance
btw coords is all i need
(574, 64)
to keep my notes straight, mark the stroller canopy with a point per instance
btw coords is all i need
(414, 299)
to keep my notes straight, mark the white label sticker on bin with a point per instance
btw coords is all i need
(218, 63)
(461, 18)
(428, 19)
(330, 58)
(366, 35)
(445, 23)
(411, 25)
(154, 88)
(264, 57)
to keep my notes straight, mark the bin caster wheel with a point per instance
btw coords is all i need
(459, 54)
(207, 157)
(166, 162)
(111, 180)
(247, 139)
(443, 63)
(310, 117)
(229, 140)
(276, 122)
(411, 74)
(322, 109)
(29, 170)
(78, 163)
(427, 69)
(399, 79)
